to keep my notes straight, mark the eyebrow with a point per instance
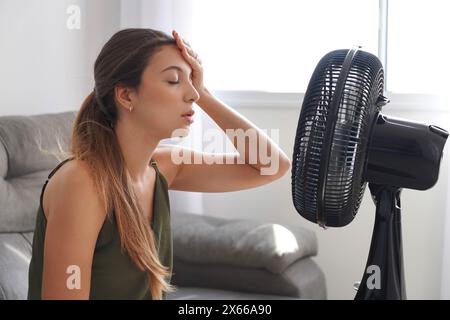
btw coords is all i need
(174, 67)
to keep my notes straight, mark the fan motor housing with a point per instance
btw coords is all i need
(404, 154)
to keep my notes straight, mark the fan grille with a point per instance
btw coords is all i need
(340, 163)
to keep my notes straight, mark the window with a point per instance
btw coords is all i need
(418, 46)
(274, 46)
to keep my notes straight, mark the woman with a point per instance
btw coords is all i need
(103, 226)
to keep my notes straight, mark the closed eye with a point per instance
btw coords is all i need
(177, 82)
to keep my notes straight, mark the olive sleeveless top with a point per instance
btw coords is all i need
(114, 275)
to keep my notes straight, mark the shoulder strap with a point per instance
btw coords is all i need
(58, 166)
(153, 163)
(41, 203)
(159, 175)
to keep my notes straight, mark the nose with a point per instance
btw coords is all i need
(192, 95)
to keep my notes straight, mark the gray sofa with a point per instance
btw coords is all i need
(214, 258)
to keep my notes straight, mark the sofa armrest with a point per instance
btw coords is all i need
(15, 255)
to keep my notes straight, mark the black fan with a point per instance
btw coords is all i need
(342, 142)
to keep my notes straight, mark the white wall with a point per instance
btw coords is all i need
(445, 280)
(46, 67)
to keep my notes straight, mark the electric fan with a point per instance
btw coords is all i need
(343, 142)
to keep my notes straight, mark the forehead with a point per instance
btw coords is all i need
(168, 55)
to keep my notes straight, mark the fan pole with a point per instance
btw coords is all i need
(383, 276)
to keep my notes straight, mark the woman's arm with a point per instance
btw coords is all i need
(74, 219)
(258, 160)
(263, 153)
(258, 151)
(195, 171)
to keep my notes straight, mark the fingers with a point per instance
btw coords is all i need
(182, 43)
(185, 47)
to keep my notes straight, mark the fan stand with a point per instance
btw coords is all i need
(384, 276)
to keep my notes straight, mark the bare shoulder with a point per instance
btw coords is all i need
(72, 186)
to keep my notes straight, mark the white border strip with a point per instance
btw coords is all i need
(277, 100)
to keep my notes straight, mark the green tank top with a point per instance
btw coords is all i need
(114, 275)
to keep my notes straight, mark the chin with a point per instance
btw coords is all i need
(180, 132)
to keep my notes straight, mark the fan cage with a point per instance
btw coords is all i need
(336, 201)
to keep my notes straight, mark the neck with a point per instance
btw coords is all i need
(137, 149)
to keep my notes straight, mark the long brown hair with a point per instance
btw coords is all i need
(121, 61)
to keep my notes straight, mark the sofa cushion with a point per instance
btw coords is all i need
(30, 146)
(198, 293)
(302, 279)
(239, 242)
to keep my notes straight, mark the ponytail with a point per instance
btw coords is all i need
(94, 141)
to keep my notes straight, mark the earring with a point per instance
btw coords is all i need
(131, 108)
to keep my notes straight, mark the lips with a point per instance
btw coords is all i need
(188, 114)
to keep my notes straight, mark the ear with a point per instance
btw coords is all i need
(122, 95)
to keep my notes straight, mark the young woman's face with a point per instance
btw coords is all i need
(165, 93)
